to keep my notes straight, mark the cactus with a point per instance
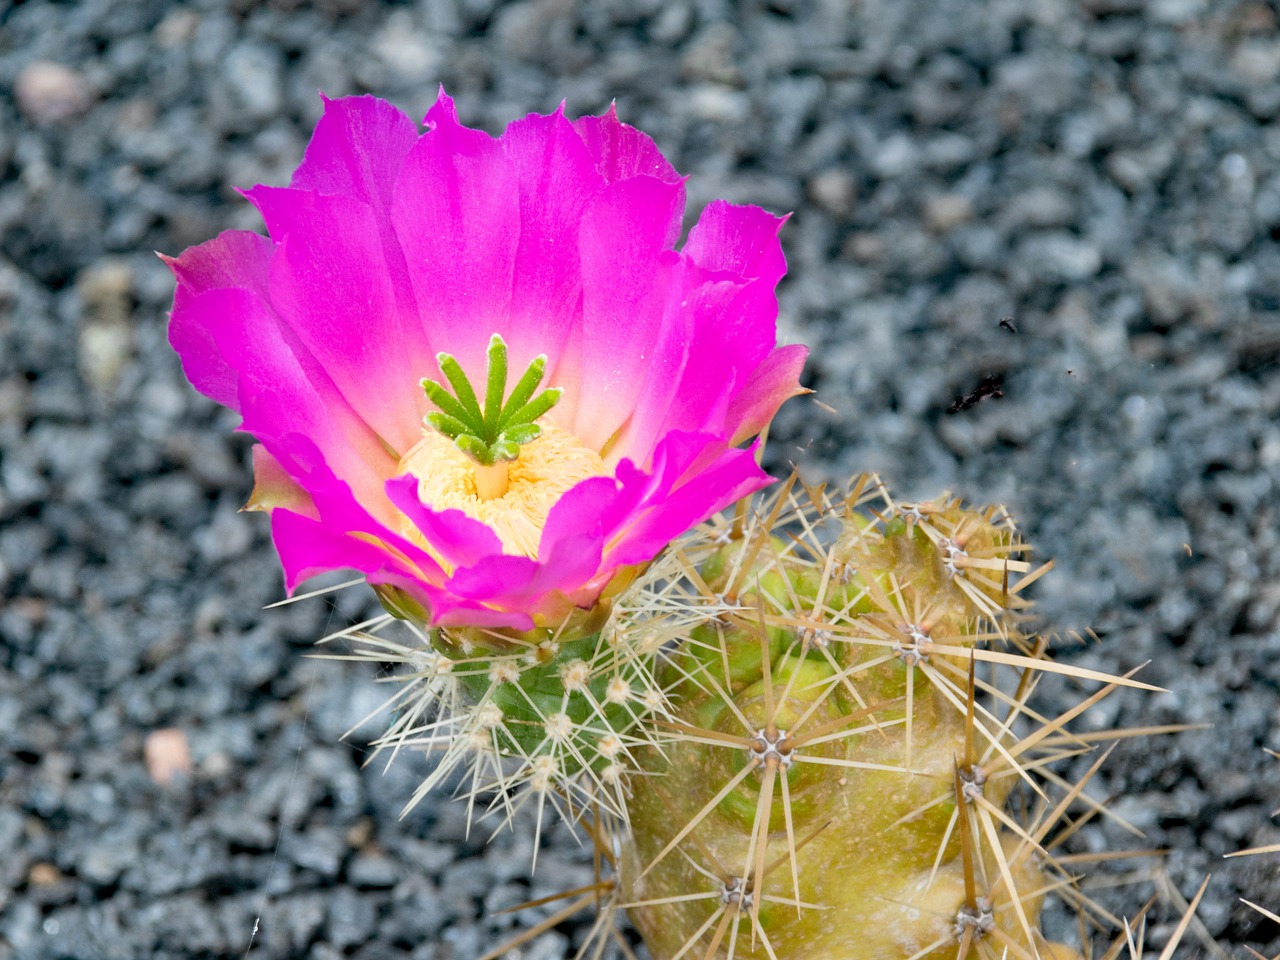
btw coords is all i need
(798, 729)
(837, 788)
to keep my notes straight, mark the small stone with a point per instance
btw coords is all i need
(1257, 61)
(374, 871)
(1176, 11)
(106, 342)
(710, 55)
(51, 93)
(178, 27)
(946, 212)
(104, 349)
(106, 290)
(351, 918)
(216, 765)
(530, 27)
(672, 24)
(834, 190)
(252, 74)
(713, 101)
(405, 50)
(168, 755)
(865, 247)
(1059, 255)
(43, 875)
(896, 156)
(1138, 169)
(360, 834)
(319, 849)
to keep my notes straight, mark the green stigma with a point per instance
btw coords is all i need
(491, 433)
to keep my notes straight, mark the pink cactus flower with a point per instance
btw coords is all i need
(394, 257)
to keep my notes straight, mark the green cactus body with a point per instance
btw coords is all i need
(817, 798)
(793, 736)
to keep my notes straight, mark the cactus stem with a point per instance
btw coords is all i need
(750, 659)
(734, 898)
(729, 786)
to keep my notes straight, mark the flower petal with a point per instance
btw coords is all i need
(330, 283)
(282, 390)
(345, 515)
(774, 382)
(671, 507)
(741, 240)
(557, 179)
(456, 212)
(308, 547)
(357, 150)
(698, 358)
(460, 540)
(627, 265)
(273, 487)
(235, 258)
(621, 152)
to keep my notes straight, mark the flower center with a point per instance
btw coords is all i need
(495, 460)
(545, 469)
(490, 433)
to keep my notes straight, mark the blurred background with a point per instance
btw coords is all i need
(1104, 172)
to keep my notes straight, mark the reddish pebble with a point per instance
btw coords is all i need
(49, 92)
(168, 755)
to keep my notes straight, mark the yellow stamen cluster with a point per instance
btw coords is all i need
(546, 468)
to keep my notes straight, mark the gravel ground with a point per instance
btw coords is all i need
(1103, 171)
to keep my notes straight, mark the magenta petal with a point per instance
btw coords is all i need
(497, 579)
(339, 508)
(520, 583)
(620, 151)
(715, 335)
(450, 611)
(731, 337)
(626, 268)
(775, 381)
(587, 509)
(456, 212)
(701, 353)
(460, 540)
(329, 281)
(556, 179)
(235, 258)
(201, 360)
(740, 240)
(282, 390)
(357, 150)
(308, 547)
(734, 475)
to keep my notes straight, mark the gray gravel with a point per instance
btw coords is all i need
(1107, 172)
